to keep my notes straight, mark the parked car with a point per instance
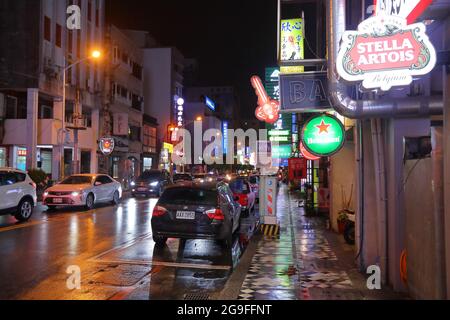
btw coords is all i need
(254, 184)
(205, 178)
(182, 177)
(17, 194)
(83, 190)
(196, 211)
(241, 189)
(151, 182)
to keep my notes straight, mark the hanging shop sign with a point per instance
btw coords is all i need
(407, 9)
(385, 52)
(106, 145)
(304, 92)
(323, 135)
(272, 82)
(307, 155)
(292, 44)
(268, 109)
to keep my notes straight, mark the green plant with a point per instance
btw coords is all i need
(343, 216)
(38, 176)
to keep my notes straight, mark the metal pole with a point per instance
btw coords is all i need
(63, 124)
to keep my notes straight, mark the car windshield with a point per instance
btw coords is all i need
(150, 175)
(189, 196)
(239, 186)
(77, 180)
(199, 176)
(182, 177)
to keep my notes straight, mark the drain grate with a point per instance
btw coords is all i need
(196, 296)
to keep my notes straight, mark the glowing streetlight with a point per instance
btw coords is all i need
(96, 54)
(199, 118)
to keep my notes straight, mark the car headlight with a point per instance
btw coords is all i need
(210, 179)
(45, 194)
(133, 183)
(154, 184)
(201, 180)
(75, 194)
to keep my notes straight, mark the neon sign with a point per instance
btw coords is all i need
(323, 135)
(210, 104)
(107, 145)
(385, 52)
(268, 109)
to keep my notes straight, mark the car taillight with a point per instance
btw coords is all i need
(215, 214)
(159, 211)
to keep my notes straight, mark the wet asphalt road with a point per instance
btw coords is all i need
(114, 250)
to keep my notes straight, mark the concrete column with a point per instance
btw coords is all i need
(56, 139)
(32, 123)
(95, 129)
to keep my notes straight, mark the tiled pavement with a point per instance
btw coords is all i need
(302, 265)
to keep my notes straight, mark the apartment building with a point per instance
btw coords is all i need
(37, 47)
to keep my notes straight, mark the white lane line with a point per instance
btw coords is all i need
(165, 264)
(190, 265)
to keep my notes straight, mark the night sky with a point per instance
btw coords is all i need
(231, 40)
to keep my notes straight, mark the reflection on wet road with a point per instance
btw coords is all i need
(114, 249)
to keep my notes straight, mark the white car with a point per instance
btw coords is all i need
(17, 194)
(83, 190)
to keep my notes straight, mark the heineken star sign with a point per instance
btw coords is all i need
(323, 135)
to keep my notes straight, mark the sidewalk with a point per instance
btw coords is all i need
(308, 262)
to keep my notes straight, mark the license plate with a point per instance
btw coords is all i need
(186, 215)
(57, 200)
(142, 189)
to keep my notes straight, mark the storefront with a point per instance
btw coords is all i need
(3, 158)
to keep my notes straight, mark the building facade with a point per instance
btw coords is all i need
(126, 107)
(39, 47)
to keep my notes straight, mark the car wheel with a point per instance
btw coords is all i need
(116, 198)
(90, 202)
(160, 240)
(24, 210)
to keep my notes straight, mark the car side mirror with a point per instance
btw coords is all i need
(97, 184)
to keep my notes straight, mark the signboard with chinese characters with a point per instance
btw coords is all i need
(323, 135)
(292, 44)
(272, 82)
(120, 124)
(106, 145)
(283, 151)
(302, 92)
(225, 136)
(385, 52)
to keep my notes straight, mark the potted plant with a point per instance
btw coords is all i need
(41, 179)
(341, 220)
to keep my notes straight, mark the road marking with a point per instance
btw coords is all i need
(165, 264)
(122, 246)
(20, 226)
(190, 265)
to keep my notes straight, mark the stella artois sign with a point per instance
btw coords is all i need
(385, 52)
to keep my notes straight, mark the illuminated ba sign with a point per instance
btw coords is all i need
(210, 104)
(323, 135)
(385, 52)
(106, 145)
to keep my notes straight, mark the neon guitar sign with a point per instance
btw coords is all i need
(268, 110)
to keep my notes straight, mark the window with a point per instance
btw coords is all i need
(89, 11)
(11, 107)
(136, 102)
(148, 164)
(186, 196)
(125, 57)
(2, 157)
(137, 71)
(104, 180)
(10, 178)
(135, 133)
(58, 39)
(45, 112)
(69, 41)
(47, 29)
(87, 114)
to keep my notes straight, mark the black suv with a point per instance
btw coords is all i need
(151, 182)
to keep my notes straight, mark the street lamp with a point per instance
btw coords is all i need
(95, 54)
